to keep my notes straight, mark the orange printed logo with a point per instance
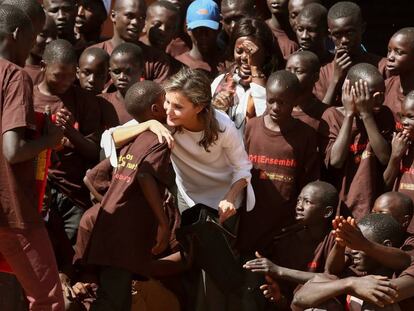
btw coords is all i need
(202, 12)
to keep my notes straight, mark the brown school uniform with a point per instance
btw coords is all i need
(18, 197)
(286, 45)
(405, 179)
(125, 230)
(394, 95)
(68, 172)
(282, 165)
(122, 115)
(408, 304)
(100, 176)
(326, 76)
(157, 65)
(35, 72)
(360, 180)
(382, 67)
(313, 115)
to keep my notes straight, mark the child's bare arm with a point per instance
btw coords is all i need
(374, 289)
(339, 151)
(153, 196)
(399, 146)
(336, 261)
(265, 266)
(405, 287)
(365, 103)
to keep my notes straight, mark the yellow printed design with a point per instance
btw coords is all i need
(41, 165)
(275, 176)
(126, 161)
(405, 186)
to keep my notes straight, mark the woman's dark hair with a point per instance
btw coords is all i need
(251, 27)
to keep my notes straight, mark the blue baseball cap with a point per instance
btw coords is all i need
(203, 13)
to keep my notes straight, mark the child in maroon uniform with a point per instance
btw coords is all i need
(93, 69)
(399, 172)
(279, 24)
(312, 31)
(284, 156)
(295, 7)
(32, 66)
(24, 242)
(128, 18)
(400, 65)
(126, 228)
(355, 140)
(301, 250)
(125, 67)
(305, 65)
(346, 27)
(63, 13)
(81, 118)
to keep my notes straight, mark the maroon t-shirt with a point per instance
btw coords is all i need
(312, 115)
(360, 180)
(18, 197)
(35, 72)
(100, 176)
(405, 179)
(326, 76)
(286, 45)
(68, 171)
(157, 65)
(282, 164)
(122, 116)
(394, 95)
(177, 47)
(125, 230)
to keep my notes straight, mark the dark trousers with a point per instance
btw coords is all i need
(114, 292)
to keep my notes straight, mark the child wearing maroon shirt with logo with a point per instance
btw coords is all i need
(81, 119)
(24, 242)
(356, 138)
(125, 234)
(92, 71)
(283, 152)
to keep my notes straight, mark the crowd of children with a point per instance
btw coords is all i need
(203, 158)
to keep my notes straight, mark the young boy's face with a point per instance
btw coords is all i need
(124, 71)
(59, 77)
(160, 115)
(400, 56)
(303, 70)
(280, 103)
(129, 20)
(230, 15)
(346, 33)
(388, 205)
(278, 7)
(92, 73)
(64, 13)
(90, 16)
(204, 38)
(309, 209)
(407, 117)
(47, 35)
(309, 34)
(161, 26)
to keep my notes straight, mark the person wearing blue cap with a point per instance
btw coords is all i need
(203, 22)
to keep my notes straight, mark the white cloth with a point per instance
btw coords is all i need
(107, 4)
(204, 177)
(238, 112)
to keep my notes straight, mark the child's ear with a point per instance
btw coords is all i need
(113, 16)
(387, 243)
(407, 221)
(16, 33)
(379, 98)
(42, 65)
(77, 72)
(329, 210)
(154, 108)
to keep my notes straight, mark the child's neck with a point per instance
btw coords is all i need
(195, 53)
(120, 96)
(280, 23)
(407, 82)
(316, 232)
(116, 40)
(45, 89)
(277, 126)
(33, 60)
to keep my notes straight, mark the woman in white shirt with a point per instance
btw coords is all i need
(208, 156)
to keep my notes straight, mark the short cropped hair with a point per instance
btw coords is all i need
(285, 79)
(330, 195)
(365, 72)
(317, 12)
(32, 9)
(311, 57)
(140, 96)
(345, 9)
(60, 51)
(12, 18)
(131, 49)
